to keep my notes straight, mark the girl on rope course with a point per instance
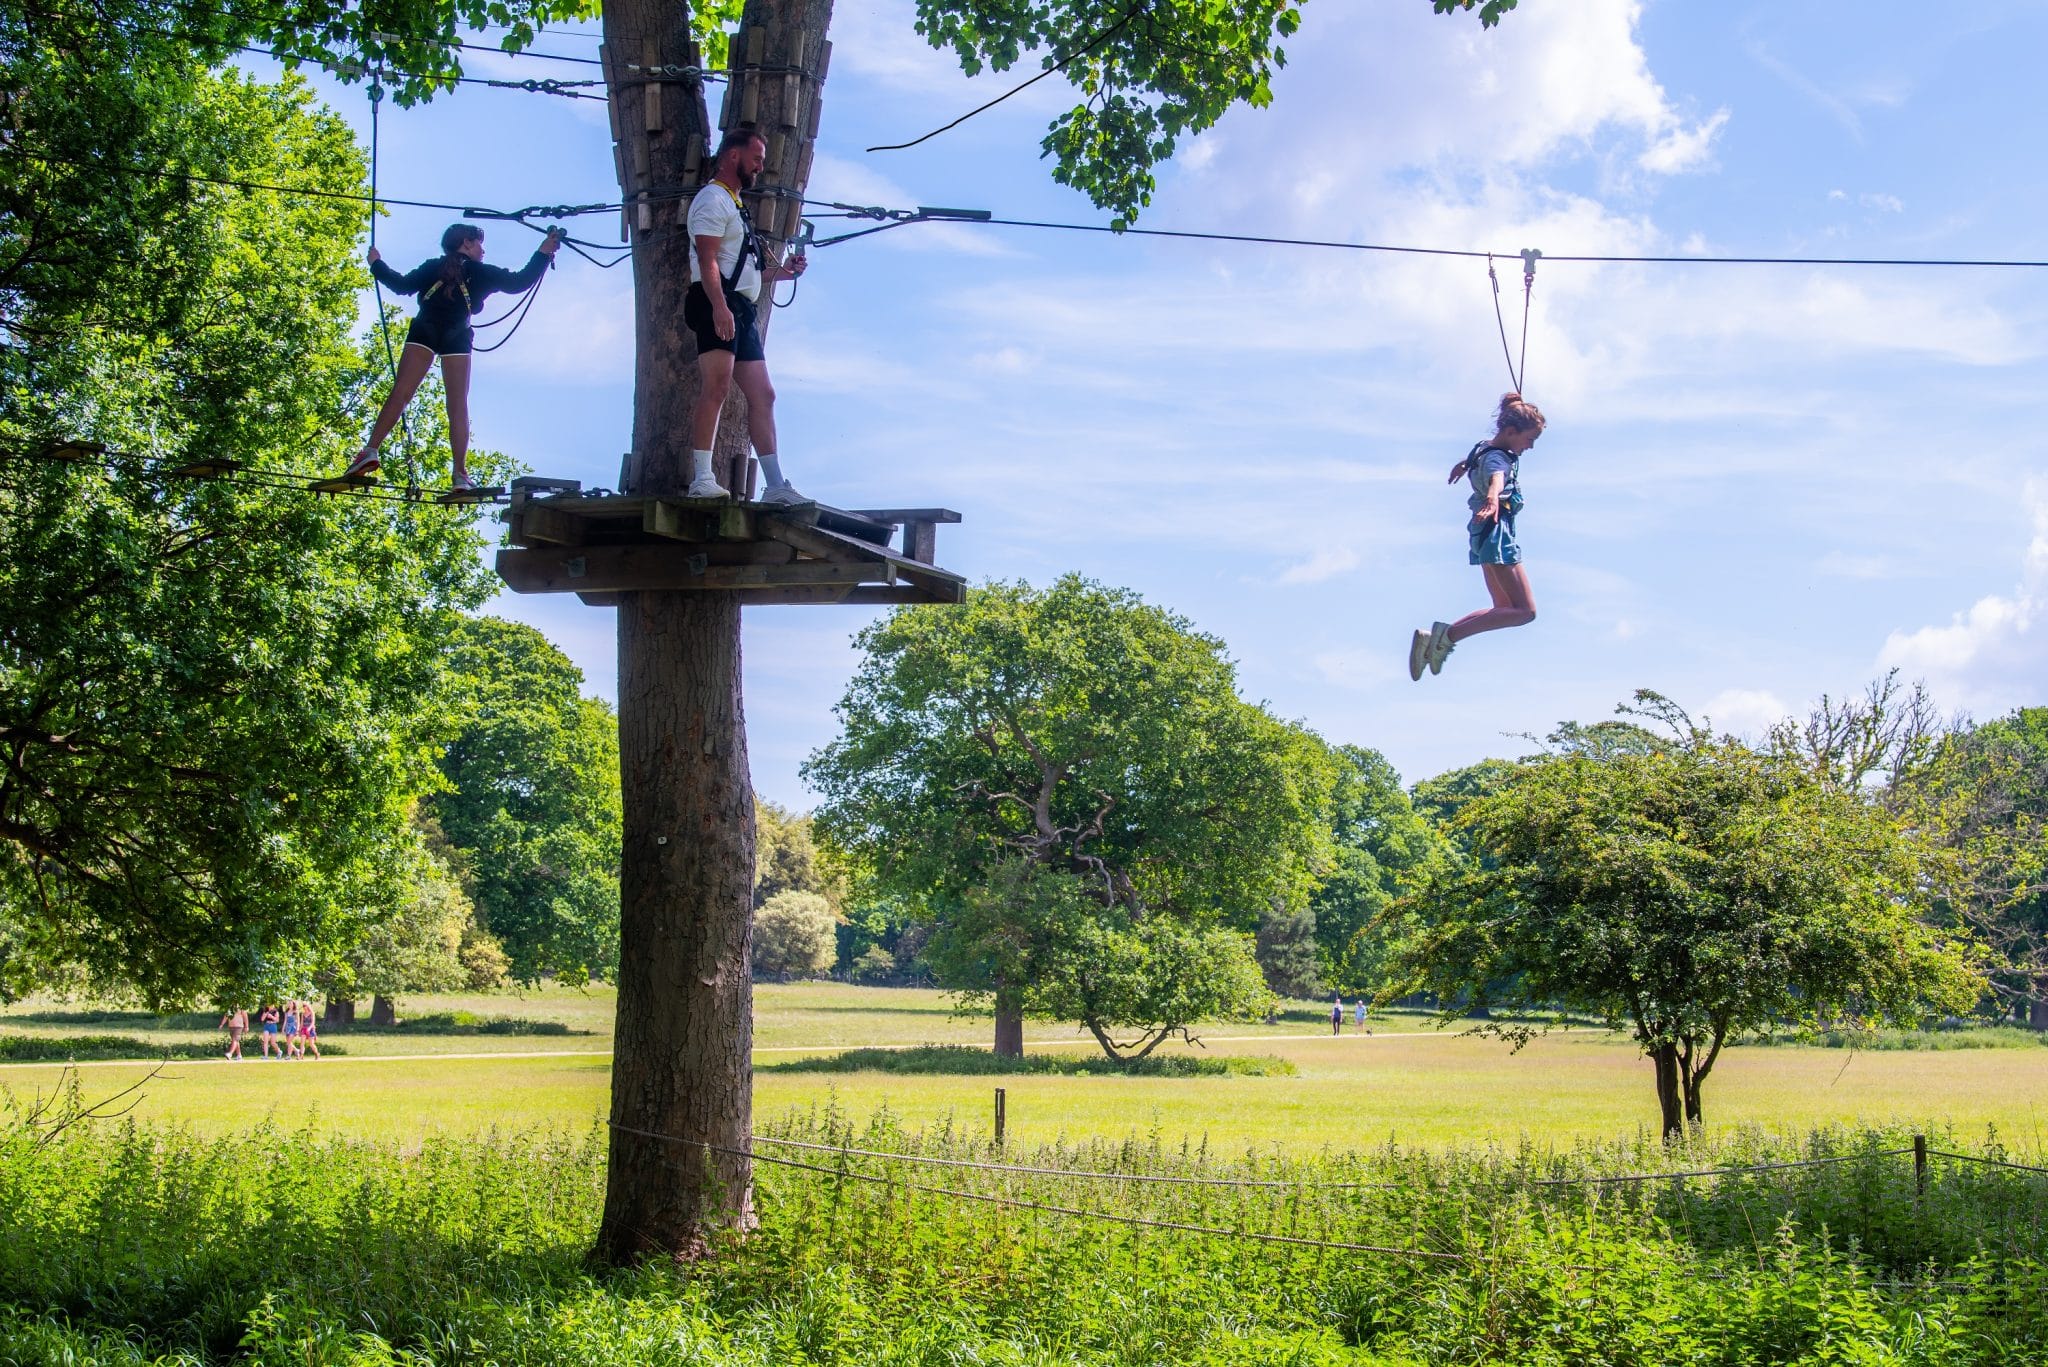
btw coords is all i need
(452, 289)
(1494, 468)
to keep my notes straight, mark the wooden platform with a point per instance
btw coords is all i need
(601, 546)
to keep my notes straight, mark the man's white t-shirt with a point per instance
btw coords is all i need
(715, 213)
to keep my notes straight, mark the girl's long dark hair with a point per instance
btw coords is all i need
(450, 277)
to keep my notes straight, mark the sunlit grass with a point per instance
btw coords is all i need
(1351, 1092)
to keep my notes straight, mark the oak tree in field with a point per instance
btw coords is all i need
(1069, 786)
(1685, 894)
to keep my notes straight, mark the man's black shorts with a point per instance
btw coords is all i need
(443, 339)
(745, 344)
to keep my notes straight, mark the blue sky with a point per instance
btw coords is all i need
(1759, 484)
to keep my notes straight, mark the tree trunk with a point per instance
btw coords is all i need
(682, 1066)
(340, 1013)
(1670, 1092)
(383, 1011)
(2037, 1009)
(1009, 1024)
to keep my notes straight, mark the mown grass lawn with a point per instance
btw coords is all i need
(1406, 1083)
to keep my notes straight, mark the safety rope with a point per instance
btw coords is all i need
(1516, 373)
(412, 483)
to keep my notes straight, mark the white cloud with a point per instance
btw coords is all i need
(1993, 655)
(1684, 149)
(1745, 711)
(1327, 563)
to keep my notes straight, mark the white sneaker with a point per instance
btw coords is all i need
(1418, 655)
(784, 493)
(1440, 646)
(706, 486)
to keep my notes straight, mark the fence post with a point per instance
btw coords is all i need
(1919, 1165)
(1000, 1116)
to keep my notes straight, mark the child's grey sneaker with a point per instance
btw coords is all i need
(707, 487)
(1418, 655)
(1440, 646)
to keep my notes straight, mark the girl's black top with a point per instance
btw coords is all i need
(444, 305)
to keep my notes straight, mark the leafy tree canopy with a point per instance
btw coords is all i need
(1381, 845)
(532, 800)
(216, 697)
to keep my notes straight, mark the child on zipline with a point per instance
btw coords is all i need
(1494, 468)
(452, 288)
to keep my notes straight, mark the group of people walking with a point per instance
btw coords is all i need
(289, 1031)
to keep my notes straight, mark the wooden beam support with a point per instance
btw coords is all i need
(618, 569)
(539, 522)
(896, 517)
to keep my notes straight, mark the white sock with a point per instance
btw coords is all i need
(771, 469)
(700, 465)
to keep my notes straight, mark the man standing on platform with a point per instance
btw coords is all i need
(724, 315)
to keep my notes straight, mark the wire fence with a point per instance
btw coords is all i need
(843, 1171)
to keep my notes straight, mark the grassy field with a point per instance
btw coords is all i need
(1406, 1083)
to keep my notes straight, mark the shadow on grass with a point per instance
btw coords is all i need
(459, 1023)
(959, 1060)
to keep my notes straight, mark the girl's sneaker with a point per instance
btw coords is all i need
(1418, 655)
(363, 466)
(461, 483)
(1440, 646)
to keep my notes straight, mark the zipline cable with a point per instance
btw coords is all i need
(667, 194)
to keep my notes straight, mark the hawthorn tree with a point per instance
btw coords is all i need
(1686, 894)
(1081, 732)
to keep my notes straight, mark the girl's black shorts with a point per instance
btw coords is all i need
(456, 339)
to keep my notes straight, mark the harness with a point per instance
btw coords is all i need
(1511, 482)
(461, 285)
(750, 245)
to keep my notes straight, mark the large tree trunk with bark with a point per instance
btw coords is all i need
(340, 1013)
(682, 1074)
(2037, 1009)
(1670, 1092)
(383, 1011)
(1009, 1023)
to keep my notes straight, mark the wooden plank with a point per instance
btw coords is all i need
(921, 541)
(211, 468)
(650, 58)
(600, 600)
(482, 493)
(899, 516)
(903, 593)
(819, 542)
(343, 486)
(853, 524)
(908, 568)
(544, 522)
(616, 569)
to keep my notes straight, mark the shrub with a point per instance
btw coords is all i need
(794, 935)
